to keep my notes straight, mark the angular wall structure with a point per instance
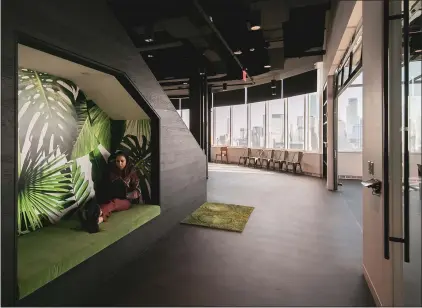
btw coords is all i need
(87, 32)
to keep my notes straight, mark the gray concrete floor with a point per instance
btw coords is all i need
(301, 247)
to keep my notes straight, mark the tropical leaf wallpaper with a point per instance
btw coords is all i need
(65, 142)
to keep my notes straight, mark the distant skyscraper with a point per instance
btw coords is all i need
(277, 131)
(352, 117)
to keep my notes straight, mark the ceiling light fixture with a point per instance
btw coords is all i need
(185, 83)
(150, 56)
(149, 40)
(252, 49)
(255, 28)
(267, 66)
(238, 52)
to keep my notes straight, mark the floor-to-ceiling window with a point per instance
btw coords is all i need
(313, 122)
(289, 123)
(296, 122)
(222, 125)
(183, 111)
(257, 128)
(185, 116)
(276, 124)
(239, 126)
(292, 123)
(350, 123)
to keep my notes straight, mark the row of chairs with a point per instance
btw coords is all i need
(261, 159)
(278, 158)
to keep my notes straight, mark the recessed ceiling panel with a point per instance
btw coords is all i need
(104, 89)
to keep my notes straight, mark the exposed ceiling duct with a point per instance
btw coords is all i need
(218, 36)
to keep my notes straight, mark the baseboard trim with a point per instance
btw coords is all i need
(236, 163)
(349, 177)
(371, 287)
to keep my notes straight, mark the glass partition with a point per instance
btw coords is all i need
(257, 129)
(296, 122)
(350, 117)
(239, 126)
(313, 123)
(292, 123)
(222, 125)
(276, 124)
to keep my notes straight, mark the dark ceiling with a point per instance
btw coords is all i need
(188, 34)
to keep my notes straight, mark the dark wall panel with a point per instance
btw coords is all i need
(175, 102)
(263, 92)
(90, 30)
(300, 84)
(229, 98)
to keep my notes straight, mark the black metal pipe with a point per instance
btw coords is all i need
(215, 30)
(406, 131)
(385, 177)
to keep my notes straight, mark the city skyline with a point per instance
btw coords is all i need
(276, 124)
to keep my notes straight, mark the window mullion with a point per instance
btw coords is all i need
(286, 106)
(266, 125)
(230, 125)
(305, 121)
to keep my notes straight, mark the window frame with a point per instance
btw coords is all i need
(267, 130)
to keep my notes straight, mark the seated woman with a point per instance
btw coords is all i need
(118, 191)
(121, 187)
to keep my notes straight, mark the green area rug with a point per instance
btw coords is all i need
(223, 216)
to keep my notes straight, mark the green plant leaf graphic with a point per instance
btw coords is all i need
(47, 117)
(99, 169)
(100, 125)
(43, 189)
(139, 128)
(86, 141)
(80, 186)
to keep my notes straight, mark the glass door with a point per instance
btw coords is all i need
(405, 52)
(411, 151)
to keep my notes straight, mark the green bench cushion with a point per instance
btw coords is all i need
(47, 253)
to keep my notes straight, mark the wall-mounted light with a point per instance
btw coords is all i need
(149, 40)
(253, 25)
(238, 52)
(267, 66)
(185, 83)
(273, 84)
(273, 91)
(150, 56)
(252, 49)
(224, 86)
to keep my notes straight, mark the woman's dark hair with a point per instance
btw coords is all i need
(121, 153)
(113, 157)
